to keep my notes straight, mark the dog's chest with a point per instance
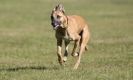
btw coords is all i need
(64, 34)
(67, 36)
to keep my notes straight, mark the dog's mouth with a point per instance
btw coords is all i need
(56, 25)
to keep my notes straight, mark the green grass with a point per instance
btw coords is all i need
(28, 45)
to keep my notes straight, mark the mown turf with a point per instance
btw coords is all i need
(28, 46)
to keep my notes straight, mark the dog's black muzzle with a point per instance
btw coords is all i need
(55, 24)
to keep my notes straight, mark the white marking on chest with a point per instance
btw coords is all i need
(67, 36)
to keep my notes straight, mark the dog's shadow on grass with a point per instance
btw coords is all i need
(28, 68)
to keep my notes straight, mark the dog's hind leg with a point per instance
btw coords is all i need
(76, 45)
(66, 50)
(86, 48)
(85, 38)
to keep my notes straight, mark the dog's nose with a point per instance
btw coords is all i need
(55, 23)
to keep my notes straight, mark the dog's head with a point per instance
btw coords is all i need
(58, 17)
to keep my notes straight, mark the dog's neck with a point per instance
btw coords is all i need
(65, 22)
(67, 36)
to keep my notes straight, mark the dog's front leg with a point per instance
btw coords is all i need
(59, 48)
(66, 50)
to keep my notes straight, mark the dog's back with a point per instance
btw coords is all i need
(76, 23)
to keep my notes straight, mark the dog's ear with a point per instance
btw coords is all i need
(60, 8)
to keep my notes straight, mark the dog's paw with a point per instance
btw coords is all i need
(65, 59)
(75, 54)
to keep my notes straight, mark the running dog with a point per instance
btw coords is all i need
(69, 28)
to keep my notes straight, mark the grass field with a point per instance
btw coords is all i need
(28, 46)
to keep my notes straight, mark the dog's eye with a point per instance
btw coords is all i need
(58, 16)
